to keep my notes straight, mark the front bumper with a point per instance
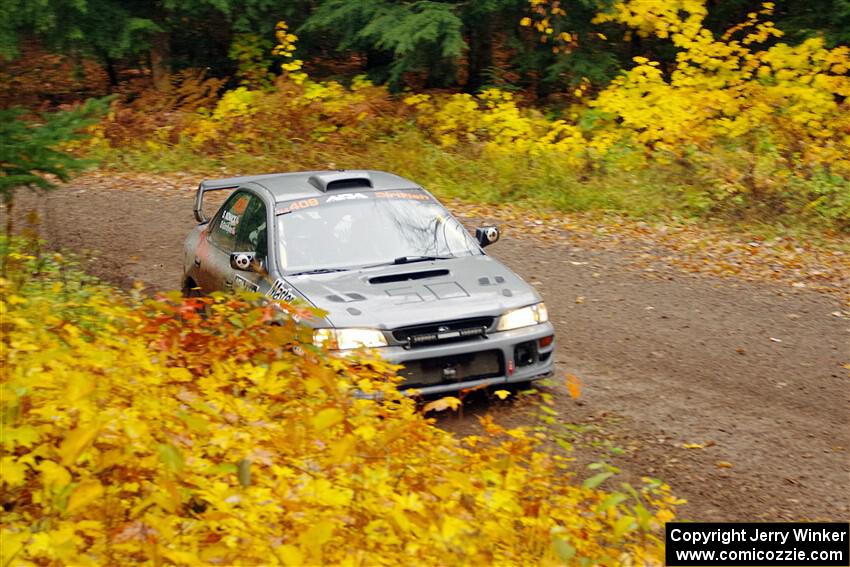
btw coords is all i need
(499, 358)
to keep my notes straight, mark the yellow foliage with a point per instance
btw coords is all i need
(725, 89)
(286, 48)
(146, 432)
(750, 120)
(299, 109)
(751, 124)
(494, 120)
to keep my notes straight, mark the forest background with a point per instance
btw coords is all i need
(686, 109)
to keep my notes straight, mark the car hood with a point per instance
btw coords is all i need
(416, 293)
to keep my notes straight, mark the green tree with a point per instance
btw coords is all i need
(103, 29)
(799, 19)
(185, 32)
(32, 154)
(488, 25)
(398, 37)
(439, 37)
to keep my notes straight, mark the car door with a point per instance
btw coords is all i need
(215, 273)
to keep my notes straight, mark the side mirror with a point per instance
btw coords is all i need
(487, 235)
(246, 262)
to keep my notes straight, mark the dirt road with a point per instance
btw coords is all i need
(750, 374)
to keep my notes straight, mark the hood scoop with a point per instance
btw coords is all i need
(346, 297)
(408, 276)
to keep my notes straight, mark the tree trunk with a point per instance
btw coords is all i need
(377, 64)
(480, 55)
(111, 72)
(377, 59)
(160, 64)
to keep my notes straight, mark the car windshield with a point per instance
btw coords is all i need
(353, 230)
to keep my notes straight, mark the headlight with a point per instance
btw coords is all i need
(342, 339)
(523, 317)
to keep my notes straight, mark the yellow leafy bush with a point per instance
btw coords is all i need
(726, 88)
(294, 113)
(768, 124)
(494, 121)
(753, 120)
(297, 111)
(139, 430)
(234, 107)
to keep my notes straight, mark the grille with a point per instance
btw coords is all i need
(444, 332)
(469, 366)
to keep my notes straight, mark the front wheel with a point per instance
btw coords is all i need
(191, 289)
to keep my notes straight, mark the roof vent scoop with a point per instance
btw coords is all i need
(336, 180)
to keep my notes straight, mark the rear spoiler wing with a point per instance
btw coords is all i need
(199, 199)
(222, 185)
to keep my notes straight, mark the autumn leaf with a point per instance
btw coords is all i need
(13, 543)
(83, 495)
(448, 402)
(597, 479)
(290, 555)
(316, 536)
(171, 457)
(564, 550)
(76, 442)
(502, 394)
(467, 391)
(573, 386)
(243, 468)
(327, 418)
(12, 472)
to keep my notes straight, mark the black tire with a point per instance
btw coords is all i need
(191, 289)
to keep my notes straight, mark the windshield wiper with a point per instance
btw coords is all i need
(319, 271)
(411, 259)
(407, 260)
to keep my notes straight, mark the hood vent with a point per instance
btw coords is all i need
(408, 276)
(345, 298)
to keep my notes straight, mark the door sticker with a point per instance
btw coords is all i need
(229, 222)
(242, 283)
(281, 292)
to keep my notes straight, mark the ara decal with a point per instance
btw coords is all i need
(345, 197)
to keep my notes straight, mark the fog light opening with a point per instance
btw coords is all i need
(525, 354)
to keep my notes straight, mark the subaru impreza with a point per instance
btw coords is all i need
(390, 267)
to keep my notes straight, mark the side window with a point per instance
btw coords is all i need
(252, 234)
(225, 224)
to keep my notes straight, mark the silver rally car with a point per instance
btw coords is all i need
(393, 269)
